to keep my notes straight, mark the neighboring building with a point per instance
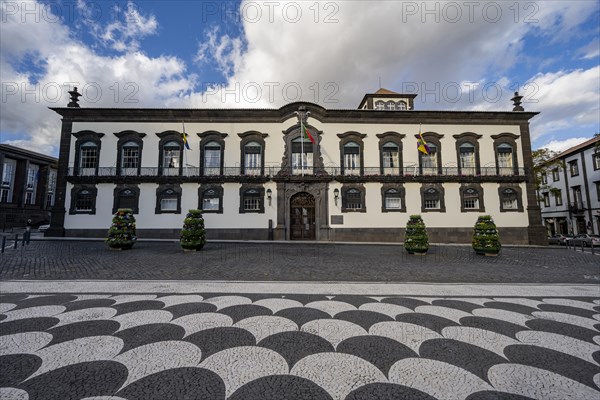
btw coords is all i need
(28, 187)
(570, 196)
(255, 177)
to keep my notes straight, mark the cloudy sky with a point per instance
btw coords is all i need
(469, 55)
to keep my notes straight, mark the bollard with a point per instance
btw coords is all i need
(16, 240)
(3, 243)
(23, 241)
(28, 237)
(592, 248)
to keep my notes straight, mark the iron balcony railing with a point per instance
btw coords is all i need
(273, 171)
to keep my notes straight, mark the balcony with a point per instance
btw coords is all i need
(408, 173)
(577, 207)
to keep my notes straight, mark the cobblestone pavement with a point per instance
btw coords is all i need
(295, 262)
(273, 341)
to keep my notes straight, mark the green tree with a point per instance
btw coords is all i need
(544, 161)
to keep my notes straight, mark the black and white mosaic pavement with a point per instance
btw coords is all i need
(274, 346)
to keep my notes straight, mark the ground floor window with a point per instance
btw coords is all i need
(83, 200)
(353, 199)
(510, 199)
(252, 199)
(168, 199)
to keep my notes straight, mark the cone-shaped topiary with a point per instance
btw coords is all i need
(193, 234)
(122, 234)
(485, 236)
(416, 240)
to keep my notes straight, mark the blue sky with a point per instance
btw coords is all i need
(454, 55)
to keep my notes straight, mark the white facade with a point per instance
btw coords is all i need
(570, 196)
(362, 179)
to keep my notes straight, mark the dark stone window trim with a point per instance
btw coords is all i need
(212, 136)
(434, 138)
(519, 194)
(75, 191)
(391, 137)
(202, 189)
(345, 188)
(357, 138)
(129, 136)
(596, 160)
(161, 192)
(117, 192)
(473, 139)
(260, 196)
(574, 168)
(82, 138)
(292, 133)
(511, 140)
(474, 186)
(401, 191)
(252, 136)
(166, 137)
(442, 194)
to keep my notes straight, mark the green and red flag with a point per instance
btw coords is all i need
(307, 135)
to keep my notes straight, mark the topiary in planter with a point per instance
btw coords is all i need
(122, 234)
(416, 240)
(485, 236)
(193, 234)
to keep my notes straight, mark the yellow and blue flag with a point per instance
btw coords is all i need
(422, 144)
(184, 138)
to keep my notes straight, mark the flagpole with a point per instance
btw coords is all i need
(302, 142)
(184, 139)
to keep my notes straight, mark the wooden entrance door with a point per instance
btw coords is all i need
(302, 213)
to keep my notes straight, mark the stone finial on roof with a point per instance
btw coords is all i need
(74, 98)
(517, 102)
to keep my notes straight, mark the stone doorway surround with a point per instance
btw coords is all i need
(285, 192)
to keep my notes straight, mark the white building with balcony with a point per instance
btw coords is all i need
(355, 176)
(570, 196)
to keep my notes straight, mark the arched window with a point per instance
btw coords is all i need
(352, 199)
(390, 106)
(88, 158)
(252, 199)
(379, 105)
(467, 162)
(429, 162)
(302, 155)
(504, 154)
(252, 158)
(83, 200)
(390, 158)
(351, 158)
(401, 105)
(130, 158)
(171, 158)
(212, 158)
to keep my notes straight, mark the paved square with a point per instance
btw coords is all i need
(266, 340)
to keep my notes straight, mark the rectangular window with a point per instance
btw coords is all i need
(558, 198)
(574, 168)
(85, 202)
(4, 195)
(544, 178)
(546, 197)
(598, 190)
(431, 204)
(168, 204)
(298, 162)
(596, 160)
(391, 162)
(251, 204)
(471, 204)
(210, 204)
(555, 175)
(252, 161)
(505, 162)
(7, 175)
(89, 157)
(351, 162)
(131, 157)
(429, 163)
(29, 199)
(212, 160)
(393, 202)
(509, 203)
(467, 163)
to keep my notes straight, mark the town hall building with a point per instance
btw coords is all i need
(299, 172)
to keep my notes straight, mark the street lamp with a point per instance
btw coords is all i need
(336, 195)
(269, 194)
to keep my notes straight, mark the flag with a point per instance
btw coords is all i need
(307, 135)
(184, 137)
(422, 144)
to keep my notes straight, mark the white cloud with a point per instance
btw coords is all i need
(562, 145)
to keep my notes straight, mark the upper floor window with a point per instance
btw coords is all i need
(130, 158)
(351, 158)
(596, 160)
(574, 168)
(302, 155)
(252, 158)
(88, 158)
(555, 175)
(33, 174)
(51, 188)
(505, 159)
(544, 178)
(558, 197)
(429, 162)
(391, 106)
(171, 153)
(6, 186)
(379, 105)
(391, 158)
(212, 158)
(467, 161)
(546, 199)
(401, 105)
